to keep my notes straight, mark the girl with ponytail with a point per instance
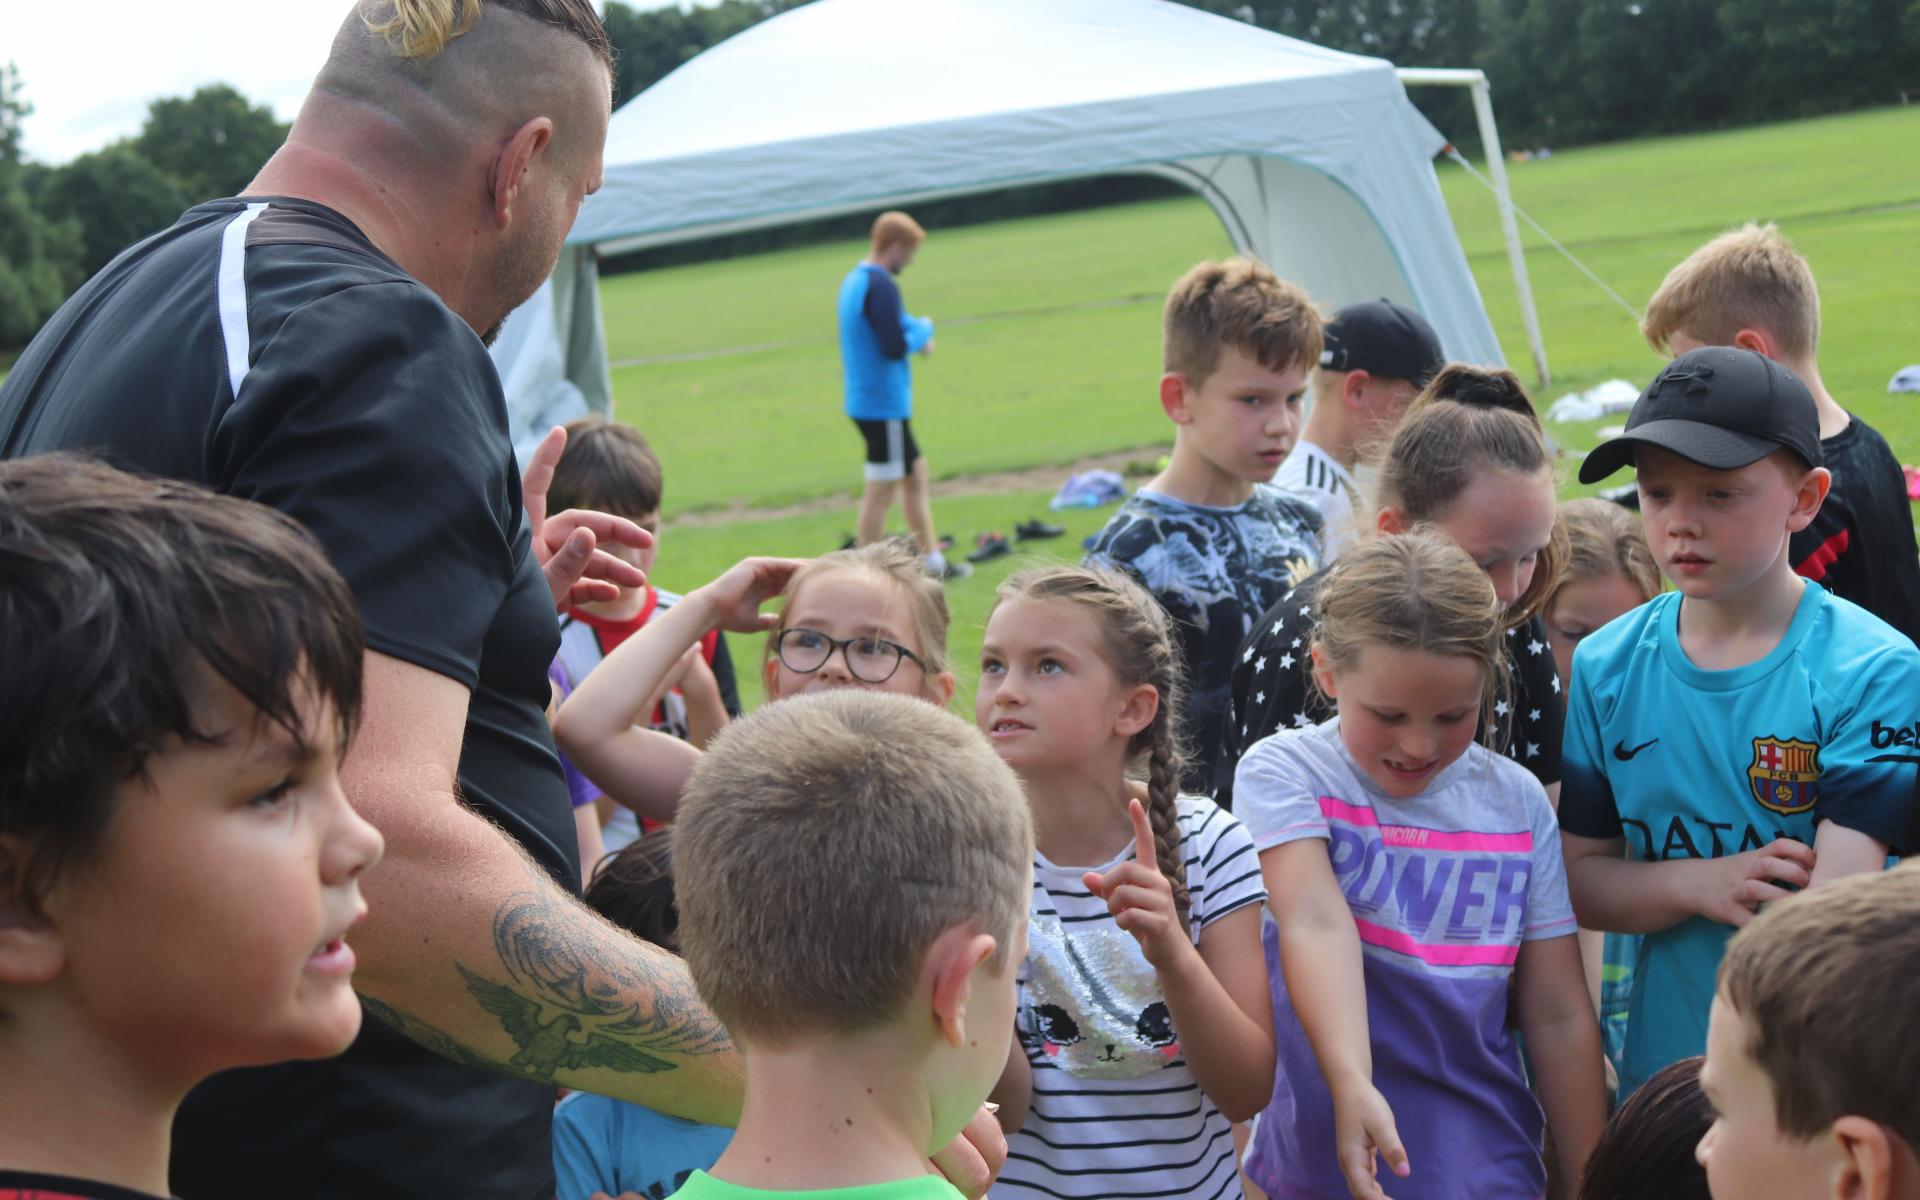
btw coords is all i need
(1144, 1026)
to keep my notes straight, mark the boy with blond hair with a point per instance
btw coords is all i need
(1750, 288)
(1210, 537)
(852, 871)
(179, 866)
(876, 336)
(1811, 1059)
(1744, 734)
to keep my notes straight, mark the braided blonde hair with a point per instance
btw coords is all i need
(1137, 643)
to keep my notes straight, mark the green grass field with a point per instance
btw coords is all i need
(1049, 328)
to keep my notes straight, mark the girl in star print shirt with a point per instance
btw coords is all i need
(1469, 461)
(1144, 1026)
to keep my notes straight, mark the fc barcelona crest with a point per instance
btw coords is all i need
(1785, 775)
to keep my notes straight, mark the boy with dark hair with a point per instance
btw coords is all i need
(853, 870)
(179, 866)
(1750, 288)
(1210, 537)
(1811, 1063)
(1747, 732)
(609, 467)
(1377, 357)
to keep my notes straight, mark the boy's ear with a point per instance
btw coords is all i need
(1142, 705)
(1173, 398)
(1759, 341)
(951, 960)
(1354, 387)
(1868, 1167)
(1322, 671)
(1808, 498)
(31, 952)
(1390, 520)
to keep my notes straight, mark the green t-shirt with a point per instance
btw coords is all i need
(702, 1186)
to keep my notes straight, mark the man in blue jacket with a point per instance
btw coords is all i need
(876, 336)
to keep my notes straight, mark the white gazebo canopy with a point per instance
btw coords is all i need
(1315, 160)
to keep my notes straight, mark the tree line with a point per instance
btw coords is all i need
(1564, 72)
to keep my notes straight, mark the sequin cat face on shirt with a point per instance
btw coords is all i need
(1095, 1002)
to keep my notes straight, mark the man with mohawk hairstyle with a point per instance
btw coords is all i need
(318, 344)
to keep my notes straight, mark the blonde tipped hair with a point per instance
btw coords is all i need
(1749, 278)
(421, 29)
(1136, 640)
(1240, 305)
(1414, 591)
(892, 560)
(895, 228)
(1821, 980)
(825, 843)
(1605, 539)
(1467, 420)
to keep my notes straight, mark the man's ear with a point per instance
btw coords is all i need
(1867, 1168)
(951, 960)
(31, 950)
(510, 166)
(1322, 671)
(1173, 398)
(1137, 712)
(1807, 500)
(1390, 520)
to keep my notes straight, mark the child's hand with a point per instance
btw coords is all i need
(1364, 1133)
(1141, 899)
(736, 596)
(1737, 885)
(696, 674)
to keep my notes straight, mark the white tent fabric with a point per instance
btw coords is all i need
(1315, 160)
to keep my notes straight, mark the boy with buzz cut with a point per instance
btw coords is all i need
(1211, 537)
(1750, 288)
(852, 871)
(1377, 357)
(1811, 1060)
(179, 867)
(1748, 732)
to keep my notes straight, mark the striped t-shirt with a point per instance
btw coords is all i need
(1444, 887)
(1115, 1110)
(1319, 477)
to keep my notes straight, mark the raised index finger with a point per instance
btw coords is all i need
(1145, 852)
(538, 477)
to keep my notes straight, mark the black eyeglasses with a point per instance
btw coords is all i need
(870, 659)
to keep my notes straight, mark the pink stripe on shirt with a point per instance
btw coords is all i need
(1442, 956)
(1427, 839)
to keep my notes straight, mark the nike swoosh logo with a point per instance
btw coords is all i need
(1621, 752)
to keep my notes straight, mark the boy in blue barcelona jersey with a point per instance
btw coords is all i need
(1744, 735)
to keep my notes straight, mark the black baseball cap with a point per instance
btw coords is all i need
(1719, 406)
(1382, 338)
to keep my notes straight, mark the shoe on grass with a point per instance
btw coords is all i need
(989, 545)
(1030, 531)
(948, 570)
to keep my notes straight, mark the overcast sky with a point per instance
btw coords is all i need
(91, 86)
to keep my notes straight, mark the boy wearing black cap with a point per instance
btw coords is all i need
(1376, 357)
(1743, 735)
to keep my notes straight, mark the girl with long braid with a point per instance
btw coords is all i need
(1144, 1026)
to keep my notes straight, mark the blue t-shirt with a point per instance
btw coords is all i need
(1684, 763)
(876, 336)
(603, 1145)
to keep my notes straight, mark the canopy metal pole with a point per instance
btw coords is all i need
(1476, 82)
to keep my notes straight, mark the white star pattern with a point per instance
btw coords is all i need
(1294, 644)
(1501, 708)
(1279, 627)
(1286, 662)
(1533, 714)
(1300, 720)
(1533, 750)
(1248, 656)
(1536, 646)
(1259, 697)
(1514, 632)
(1306, 610)
(1556, 685)
(1262, 664)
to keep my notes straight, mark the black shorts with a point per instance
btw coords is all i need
(891, 451)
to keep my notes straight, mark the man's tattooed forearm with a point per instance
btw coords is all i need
(581, 995)
(430, 1037)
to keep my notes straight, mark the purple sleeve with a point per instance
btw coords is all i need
(580, 789)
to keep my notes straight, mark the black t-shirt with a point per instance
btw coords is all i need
(1860, 545)
(1273, 689)
(26, 1185)
(272, 352)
